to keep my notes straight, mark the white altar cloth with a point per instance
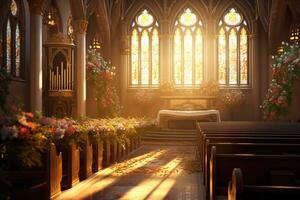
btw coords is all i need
(186, 114)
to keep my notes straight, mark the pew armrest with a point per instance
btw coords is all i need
(235, 186)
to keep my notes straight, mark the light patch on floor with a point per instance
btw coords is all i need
(152, 172)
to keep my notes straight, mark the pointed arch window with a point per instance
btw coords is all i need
(11, 44)
(144, 70)
(233, 49)
(188, 49)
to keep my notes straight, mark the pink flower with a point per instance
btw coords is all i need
(70, 130)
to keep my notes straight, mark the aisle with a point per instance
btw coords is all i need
(151, 172)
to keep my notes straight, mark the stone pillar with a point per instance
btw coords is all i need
(36, 76)
(124, 68)
(165, 53)
(210, 45)
(80, 27)
(255, 65)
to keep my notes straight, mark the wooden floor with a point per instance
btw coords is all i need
(154, 171)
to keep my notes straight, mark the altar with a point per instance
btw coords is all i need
(165, 117)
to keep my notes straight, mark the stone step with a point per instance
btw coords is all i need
(170, 136)
(173, 132)
(167, 139)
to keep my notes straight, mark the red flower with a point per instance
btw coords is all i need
(29, 115)
(31, 125)
(24, 131)
(70, 130)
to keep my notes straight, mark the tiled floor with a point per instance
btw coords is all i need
(152, 172)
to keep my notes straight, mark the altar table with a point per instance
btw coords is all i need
(164, 116)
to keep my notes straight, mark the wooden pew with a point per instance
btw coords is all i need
(86, 160)
(238, 190)
(248, 126)
(38, 183)
(70, 165)
(202, 136)
(97, 156)
(106, 153)
(257, 168)
(248, 139)
(247, 148)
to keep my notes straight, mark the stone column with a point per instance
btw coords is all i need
(210, 59)
(256, 70)
(36, 76)
(80, 27)
(124, 68)
(165, 53)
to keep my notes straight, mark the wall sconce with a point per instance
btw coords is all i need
(280, 49)
(294, 34)
(49, 18)
(95, 44)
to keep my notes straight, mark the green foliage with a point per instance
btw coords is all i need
(101, 74)
(285, 70)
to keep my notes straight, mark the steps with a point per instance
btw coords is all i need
(170, 135)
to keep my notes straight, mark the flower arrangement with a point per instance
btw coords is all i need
(144, 97)
(22, 140)
(24, 137)
(61, 131)
(232, 97)
(210, 88)
(285, 70)
(101, 74)
(167, 88)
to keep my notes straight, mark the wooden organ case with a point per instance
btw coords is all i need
(59, 75)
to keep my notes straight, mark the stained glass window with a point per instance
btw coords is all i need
(18, 51)
(232, 18)
(8, 47)
(144, 50)
(13, 8)
(155, 57)
(11, 41)
(244, 56)
(222, 56)
(145, 57)
(233, 49)
(177, 59)
(145, 19)
(188, 50)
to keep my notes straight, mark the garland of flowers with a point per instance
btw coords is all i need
(24, 137)
(285, 70)
(101, 74)
(232, 97)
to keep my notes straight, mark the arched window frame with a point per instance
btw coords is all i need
(228, 28)
(16, 23)
(140, 30)
(198, 25)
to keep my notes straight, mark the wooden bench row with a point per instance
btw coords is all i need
(64, 167)
(248, 126)
(238, 189)
(251, 144)
(260, 169)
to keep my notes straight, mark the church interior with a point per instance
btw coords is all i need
(150, 99)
